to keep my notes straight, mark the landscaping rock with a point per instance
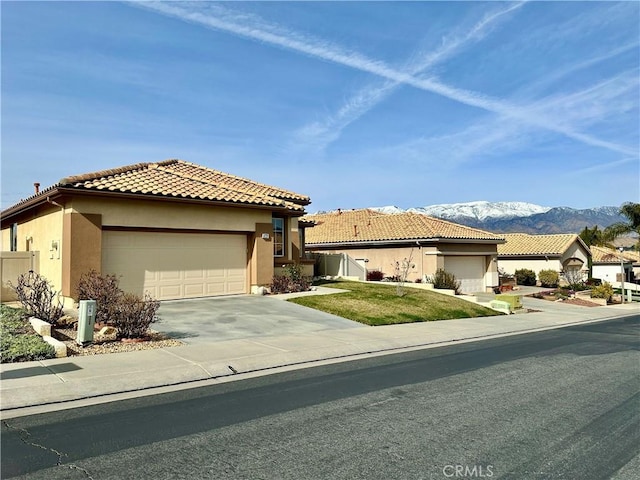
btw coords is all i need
(41, 327)
(60, 347)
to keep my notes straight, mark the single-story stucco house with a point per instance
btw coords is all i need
(607, 264)
(379, 240)
(171, 228)
(558, 252)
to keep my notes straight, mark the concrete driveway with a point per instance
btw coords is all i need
(217, 319)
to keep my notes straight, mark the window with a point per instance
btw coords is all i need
(278, 237)
(13, 237)
(301, 235)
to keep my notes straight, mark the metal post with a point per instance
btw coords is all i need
(621, 274)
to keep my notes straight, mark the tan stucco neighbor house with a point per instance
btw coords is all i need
(171, 228)
(559, 252)
(378, 240)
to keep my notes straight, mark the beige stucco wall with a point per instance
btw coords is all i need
(384, 259)
(510, 266)
(425, 259)
(42, 233)
(157, 214)
(261, 255)
(12, 265)
(576, 251)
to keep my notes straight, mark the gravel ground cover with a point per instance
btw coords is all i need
(581, 302)
(109, 344)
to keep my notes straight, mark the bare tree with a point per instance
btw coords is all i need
(573, 276)
(401, 272)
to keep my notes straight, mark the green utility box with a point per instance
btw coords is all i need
(500, 306)
(514, 301)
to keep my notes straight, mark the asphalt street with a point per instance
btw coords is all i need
(556, 404)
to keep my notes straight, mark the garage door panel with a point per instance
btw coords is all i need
(172, 265)
(469, 270)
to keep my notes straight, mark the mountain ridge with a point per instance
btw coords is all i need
(518, 217)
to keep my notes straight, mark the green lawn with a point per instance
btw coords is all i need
(375, 304)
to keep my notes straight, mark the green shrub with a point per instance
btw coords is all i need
(18, 342)
(24, 348)
(38, 298)
(526, 277)
(104, 290)
(134, 315)
(602, 291)
(445, 280)
(549, 278)
(291, 280)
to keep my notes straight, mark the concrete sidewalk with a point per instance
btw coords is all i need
(34, 387)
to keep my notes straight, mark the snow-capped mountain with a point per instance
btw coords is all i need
(506, 217)
(482, 210)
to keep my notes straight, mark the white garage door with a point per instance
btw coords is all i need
(176, 265)
(469, 271)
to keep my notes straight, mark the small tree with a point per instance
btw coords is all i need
(38, 297)
(401, 272)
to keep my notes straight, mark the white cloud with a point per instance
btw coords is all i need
(284, 38)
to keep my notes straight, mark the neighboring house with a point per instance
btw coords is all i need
(379, 240)
(607, 264)
(559, 252)
(172, 228)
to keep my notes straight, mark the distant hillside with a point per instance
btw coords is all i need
(510, 217)
(557, 220)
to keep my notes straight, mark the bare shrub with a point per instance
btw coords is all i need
(135, 315)
(574, 278)
(38, 298)
(374, 275)
(291, 280)
(104, 290)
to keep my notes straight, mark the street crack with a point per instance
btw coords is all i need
(25, 437)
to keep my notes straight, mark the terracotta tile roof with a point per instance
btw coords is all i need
(609, 255)
(180, 179)
(523, 244)
(357, 226)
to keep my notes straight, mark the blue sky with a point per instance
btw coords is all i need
(355, 104)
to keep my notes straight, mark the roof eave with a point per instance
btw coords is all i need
(56, 192)
(32, 202)
(168, 198)
(405, 241)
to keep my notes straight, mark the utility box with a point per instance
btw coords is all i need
(515, 301)
(86, 321)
